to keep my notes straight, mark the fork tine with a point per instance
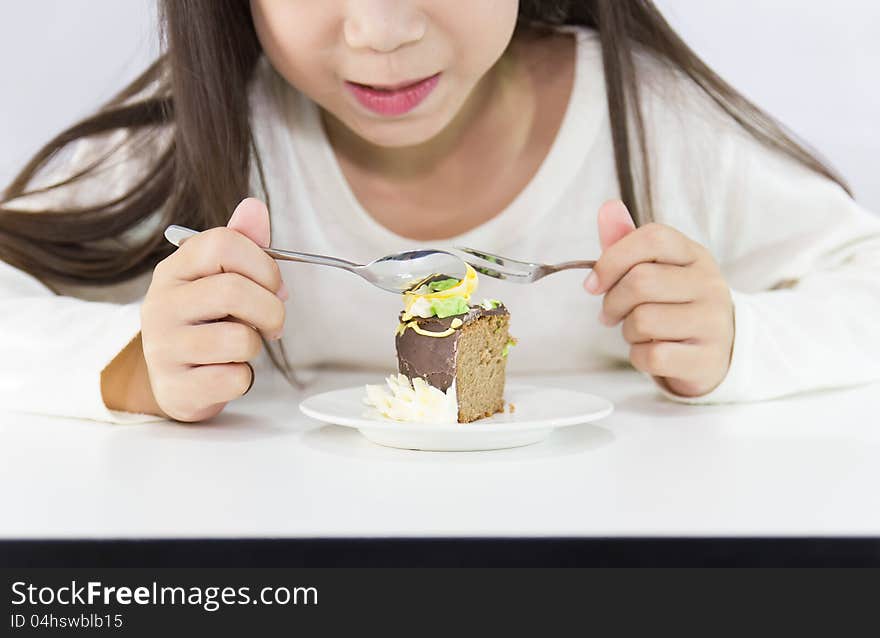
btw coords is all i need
(517, 277)
(498, 260)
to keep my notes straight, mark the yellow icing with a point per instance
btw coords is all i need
(429, 333)
(465, 288)
(453, 326)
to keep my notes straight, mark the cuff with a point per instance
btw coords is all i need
(75, 386)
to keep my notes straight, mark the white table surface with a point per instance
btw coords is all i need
(808, 465)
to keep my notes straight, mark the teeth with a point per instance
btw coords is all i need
(378, 88)
(381, 89)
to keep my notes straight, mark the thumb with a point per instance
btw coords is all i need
(614, 223)
(251, 219)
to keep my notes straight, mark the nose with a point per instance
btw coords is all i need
(383, 25)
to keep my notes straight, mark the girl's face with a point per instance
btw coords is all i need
(396, 72)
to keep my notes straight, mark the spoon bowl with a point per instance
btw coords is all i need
(402, 271)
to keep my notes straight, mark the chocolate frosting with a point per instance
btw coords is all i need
(433, 358)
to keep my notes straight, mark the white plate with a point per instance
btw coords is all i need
(537, 412)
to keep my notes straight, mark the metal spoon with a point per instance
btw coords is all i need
(395, 273)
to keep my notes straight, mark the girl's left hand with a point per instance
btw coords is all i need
(669, 293)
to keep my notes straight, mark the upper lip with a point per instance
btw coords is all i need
(393, 86)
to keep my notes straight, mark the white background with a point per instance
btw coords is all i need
(815, 65)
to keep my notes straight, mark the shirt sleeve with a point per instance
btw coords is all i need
(801, 257)
(55, 347)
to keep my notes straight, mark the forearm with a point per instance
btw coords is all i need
(125, 382)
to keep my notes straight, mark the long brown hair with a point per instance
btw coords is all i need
(198, 91)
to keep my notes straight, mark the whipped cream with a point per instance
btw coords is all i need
(414, 401)
(421, 307)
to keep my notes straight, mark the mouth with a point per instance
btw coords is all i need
(393, 99)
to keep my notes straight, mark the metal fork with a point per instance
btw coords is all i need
(521, 272)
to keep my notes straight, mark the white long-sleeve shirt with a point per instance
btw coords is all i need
(768, 221)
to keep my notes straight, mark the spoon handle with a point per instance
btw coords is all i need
(178, 234)
(307, 258)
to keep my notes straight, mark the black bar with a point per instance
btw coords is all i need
(441, 552)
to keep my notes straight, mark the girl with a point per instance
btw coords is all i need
(733, 265)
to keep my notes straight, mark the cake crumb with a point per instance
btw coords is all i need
(511, 408)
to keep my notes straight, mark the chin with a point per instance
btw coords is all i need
(401, 133)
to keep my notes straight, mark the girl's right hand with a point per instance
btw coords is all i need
(203, 314)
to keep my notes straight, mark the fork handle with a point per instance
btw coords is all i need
(568, 265)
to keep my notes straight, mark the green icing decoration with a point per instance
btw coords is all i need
(449, 307)
(443, 284)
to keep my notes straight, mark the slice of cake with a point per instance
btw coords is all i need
(471, 355)
(451, 355)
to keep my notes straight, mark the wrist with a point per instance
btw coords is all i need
(125, 382)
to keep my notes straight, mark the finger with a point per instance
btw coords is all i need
(614, 222)
(651, 243)
(218, 342)
(230, 294)
(220, 250)
(251, 219)
(219, 382)
(668, 359)
(649, 283)
(664, 322)
(200, 392)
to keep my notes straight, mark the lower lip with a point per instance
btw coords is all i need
(396, 102)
